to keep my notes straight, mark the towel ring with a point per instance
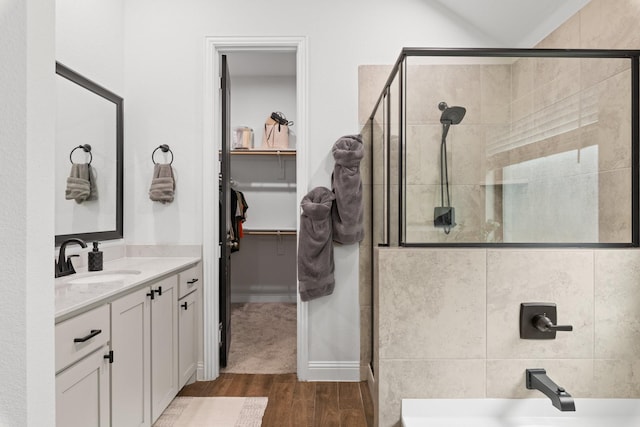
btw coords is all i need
(164, 148)
(86, 148)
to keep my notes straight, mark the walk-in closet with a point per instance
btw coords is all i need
(263, 212)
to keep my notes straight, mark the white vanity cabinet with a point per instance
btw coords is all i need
(82, 370)
(117, 365)
(131, 369)
(188, 321)
(164, 345)
(145, 344)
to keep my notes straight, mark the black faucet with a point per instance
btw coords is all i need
(537, 379)
(64, 267)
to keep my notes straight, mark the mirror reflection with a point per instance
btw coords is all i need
(88, 182)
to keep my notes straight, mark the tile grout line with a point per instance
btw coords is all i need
(486, 320)
(593, 330)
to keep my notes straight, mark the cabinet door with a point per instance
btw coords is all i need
(164, 345)
(131, 369)
(82, 392)
(187, 337)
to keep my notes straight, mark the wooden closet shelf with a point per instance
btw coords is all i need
(270, 232)
(263, 152)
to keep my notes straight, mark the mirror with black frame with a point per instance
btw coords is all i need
(88, 159)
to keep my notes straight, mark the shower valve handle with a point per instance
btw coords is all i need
(544, 324)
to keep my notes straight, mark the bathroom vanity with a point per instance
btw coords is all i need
(126, 340)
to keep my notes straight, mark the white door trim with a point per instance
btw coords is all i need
(214, 47)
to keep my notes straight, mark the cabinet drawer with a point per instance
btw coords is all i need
(189, 280)
(81, 335)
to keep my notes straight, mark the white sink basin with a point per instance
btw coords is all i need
(102, 277)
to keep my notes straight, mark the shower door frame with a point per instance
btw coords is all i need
(399, 71)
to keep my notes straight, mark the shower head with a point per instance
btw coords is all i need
(451, 115)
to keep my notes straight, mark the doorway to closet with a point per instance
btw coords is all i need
(258, 229)
(266, 75)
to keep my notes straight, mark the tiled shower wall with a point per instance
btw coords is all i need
(538, 111)
(448, 323)
(576, 108)
(484, 90)
(474, 294)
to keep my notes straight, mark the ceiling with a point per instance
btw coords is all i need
(509, 23)
(513, 23)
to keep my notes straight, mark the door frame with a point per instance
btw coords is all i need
(214, 48)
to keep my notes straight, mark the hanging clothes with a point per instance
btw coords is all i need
(234, 237)
(241, 212)
(238, 206)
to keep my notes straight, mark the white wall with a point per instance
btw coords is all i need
(90, 40)
(26, 212)
(254, 98)
(265, 268)
(164, 69)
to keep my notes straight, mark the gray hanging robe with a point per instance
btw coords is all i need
(315, 249)
(347, 212)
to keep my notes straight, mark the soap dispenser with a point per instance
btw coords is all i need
(95, 258)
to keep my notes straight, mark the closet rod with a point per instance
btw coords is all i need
(270, 232)
(251, 152)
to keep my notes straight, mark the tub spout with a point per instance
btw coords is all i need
(537, 379)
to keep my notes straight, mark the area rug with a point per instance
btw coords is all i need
(213, 411)
(263, 339)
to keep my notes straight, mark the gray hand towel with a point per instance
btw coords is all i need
(315, 251)
(78, 184)
(347, 211)
(93, 180)
(162, 185)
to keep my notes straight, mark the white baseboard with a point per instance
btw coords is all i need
(334, 371)
(317, 371)
(235, 299)
(200, 371)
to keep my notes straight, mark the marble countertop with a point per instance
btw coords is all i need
(75, 298)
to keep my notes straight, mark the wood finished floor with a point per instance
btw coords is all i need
(293, 403)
